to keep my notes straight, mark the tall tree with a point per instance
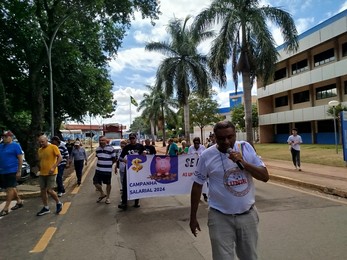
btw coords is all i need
(204, 112)
(82, 33)
(149, 111)
(184, 70)
(245, 39)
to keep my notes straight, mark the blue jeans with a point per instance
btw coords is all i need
(78, 169)
(59, 180)
(230, 233)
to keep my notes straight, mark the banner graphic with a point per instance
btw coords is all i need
(160, 175)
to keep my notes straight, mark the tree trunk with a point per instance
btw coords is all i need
(164, 130)
(186, 121)
(37, 121)
(152, 130)
(247, 95)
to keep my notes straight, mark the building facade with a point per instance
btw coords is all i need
(304, 83)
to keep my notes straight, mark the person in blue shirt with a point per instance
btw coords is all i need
(11, 160)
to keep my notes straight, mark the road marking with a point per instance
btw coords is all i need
(43, 242)
(66, 206)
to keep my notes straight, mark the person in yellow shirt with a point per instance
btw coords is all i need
(49, 158)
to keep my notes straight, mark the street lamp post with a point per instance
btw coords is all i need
(333, 104)
(49, 56)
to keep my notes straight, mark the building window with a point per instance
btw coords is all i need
(324, 57)
(344, 49)
(281, 101)
(280, 74)
(301, 97)
(299, 67)
(326, 92)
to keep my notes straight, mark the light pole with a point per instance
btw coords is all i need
(333, 104)
(49, 55)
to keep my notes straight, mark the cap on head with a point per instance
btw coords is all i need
(132, 135)
(7, 133)
(77, 143)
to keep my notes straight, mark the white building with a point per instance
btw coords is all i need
(304, 83)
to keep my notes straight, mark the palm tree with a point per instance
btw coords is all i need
(149, 111)
(245, 39)
(157, 106)
(184, 69)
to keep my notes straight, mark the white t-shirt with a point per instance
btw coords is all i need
(192, 150)
(295, 138)
(231, 190)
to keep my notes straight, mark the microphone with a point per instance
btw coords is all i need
(239, 163)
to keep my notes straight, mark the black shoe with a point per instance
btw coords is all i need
(205, 197)
(136, 205)
(123, 206)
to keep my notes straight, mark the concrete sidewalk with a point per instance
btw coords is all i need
(326, 179)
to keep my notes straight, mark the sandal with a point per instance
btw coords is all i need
(107, 201)
(3, 213)
(17, 206)
(101, 198)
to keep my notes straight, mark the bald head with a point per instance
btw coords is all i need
(43, 141)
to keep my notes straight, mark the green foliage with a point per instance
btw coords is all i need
(238, 116)
(203, 111)
(157, 107)
(81, 35)
(337, 109)
(245, 40)
(184, 69)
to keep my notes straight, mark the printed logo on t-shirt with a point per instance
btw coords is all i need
(237, 182)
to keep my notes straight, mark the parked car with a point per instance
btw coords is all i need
(25, 175)
(116, 145)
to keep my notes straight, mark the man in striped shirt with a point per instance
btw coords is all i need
(62, 165)
(106, 156)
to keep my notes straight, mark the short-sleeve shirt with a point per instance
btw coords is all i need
(48, 157)
(231, 190)
(150, 149)
(192, 150)
(106, 156)
(296, 138)
(173, 149)
(9, 157)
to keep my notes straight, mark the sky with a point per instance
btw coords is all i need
(133, 68)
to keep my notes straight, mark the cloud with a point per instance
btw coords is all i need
(135, 58)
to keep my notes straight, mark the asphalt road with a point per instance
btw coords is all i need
(294, 224)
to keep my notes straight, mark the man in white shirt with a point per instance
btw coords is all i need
(229, 166)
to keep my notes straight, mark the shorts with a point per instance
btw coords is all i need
(8, 180)
(47, 181)
(102, 178)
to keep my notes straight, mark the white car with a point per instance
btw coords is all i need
(116, 145)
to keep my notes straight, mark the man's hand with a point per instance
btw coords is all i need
(194, 226)
(18, 174)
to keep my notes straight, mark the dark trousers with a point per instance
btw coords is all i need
(125, 191)
(295, 157)
(79, 168)
(59, 179)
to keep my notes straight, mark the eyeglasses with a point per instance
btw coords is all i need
(196, 143)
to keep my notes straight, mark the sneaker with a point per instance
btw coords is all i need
(17, 206)
(59, 207)
(60, 194)
(43, 211)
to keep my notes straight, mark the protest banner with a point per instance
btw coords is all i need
(160, 175)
